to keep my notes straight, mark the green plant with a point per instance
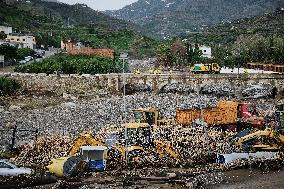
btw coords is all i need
(8, 86)
(73, 64)
(24, 52)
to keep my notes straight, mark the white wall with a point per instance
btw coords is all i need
(206, 51)
(6, 30)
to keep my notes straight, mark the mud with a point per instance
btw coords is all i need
(247, 179)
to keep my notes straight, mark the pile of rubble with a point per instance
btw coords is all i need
(136, 88)
(177, 88)
(259, 90)
(76, 116)
(43, 150)
(218, 89)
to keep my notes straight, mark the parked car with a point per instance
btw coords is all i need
(28, 58)
(22, 61)
(8, 169)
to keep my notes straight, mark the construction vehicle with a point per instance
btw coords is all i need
(274, 137)
(137, 140)
(150, 116)
(238, 115)
(155, 71)
(262, 144)
(212, 68)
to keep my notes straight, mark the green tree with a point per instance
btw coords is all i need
(163, 52)
(196, 58)
(10, 52)
(189, 53)
(178, 51)
(24, 52)
(2, 35)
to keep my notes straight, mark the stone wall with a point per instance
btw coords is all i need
(90, 84)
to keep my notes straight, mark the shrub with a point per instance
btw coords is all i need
(8, 86)
(74, 64)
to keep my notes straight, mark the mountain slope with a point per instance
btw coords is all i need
(173, 17)
(266, 25)
(49, 23)
(78, 14)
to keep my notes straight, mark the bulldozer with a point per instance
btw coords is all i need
(150, 116)
(136, 140)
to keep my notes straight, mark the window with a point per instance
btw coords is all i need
(204, 50)
(12, 39)
(24, 39)
(18, 39)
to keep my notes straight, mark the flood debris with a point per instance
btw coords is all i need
(259, 90)
(218, 89)
(180, 88)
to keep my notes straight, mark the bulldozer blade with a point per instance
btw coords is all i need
(228, 158)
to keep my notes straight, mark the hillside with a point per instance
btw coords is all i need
(174, 17)
(52, 22)
(78, 14)
(226, 34)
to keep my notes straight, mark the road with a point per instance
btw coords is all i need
(48, 53)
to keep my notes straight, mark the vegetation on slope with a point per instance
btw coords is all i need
(52, 22)
(174, 17)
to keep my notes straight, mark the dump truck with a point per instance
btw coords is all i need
(225, 113)
(206, 68)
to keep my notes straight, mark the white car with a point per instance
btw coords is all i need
(23, 62)
(8, 169)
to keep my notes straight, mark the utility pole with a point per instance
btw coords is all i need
(204, 125)
(123, 57)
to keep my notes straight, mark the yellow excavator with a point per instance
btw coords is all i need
(269, 139)
(150, 116)
(137, 140)
(275, 140)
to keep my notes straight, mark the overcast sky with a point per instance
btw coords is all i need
(102, 4)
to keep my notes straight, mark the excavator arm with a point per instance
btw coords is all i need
(268, 133)
(163, 148)
(85, 138)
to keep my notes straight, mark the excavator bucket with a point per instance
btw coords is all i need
(66, 166)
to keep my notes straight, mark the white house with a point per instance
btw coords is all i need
(5, 29)
(206, 51)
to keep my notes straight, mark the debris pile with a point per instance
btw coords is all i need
(137, 87)
(218, 89)
(77, 116)
(177, 88)
(259, 90)
(43, 150)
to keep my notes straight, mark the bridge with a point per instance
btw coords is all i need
(86, 83)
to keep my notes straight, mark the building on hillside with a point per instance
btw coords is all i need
(6, 29)
(69, 45)
(21, 40)
(206, 51)
(78, 48)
